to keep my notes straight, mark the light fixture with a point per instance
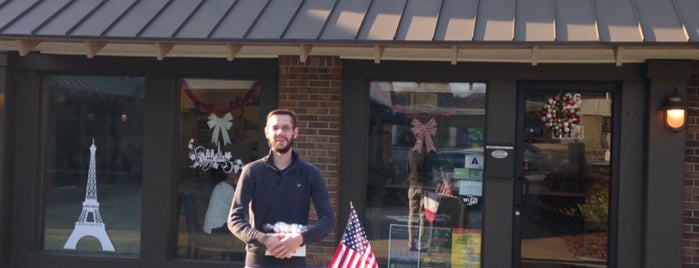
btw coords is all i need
(675, 112)
(124, 117)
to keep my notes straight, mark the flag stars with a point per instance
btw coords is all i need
(355, 234)
(354, 251)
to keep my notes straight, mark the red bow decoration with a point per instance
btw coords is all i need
(423, 134)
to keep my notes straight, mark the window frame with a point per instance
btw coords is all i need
(161, 148)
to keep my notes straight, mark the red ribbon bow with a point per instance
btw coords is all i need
(423, 134)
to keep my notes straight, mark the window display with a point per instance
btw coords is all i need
(220, 122)
(92, 163)
(425, 175)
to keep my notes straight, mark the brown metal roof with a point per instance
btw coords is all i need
(355, 22)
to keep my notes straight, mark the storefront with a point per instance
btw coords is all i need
(538, 190)
(513, 154)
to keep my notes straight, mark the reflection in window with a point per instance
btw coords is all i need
(568, 174)
(220, 122)
(425, 139)
(93, 156)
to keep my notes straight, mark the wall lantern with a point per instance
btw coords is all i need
(675, 112)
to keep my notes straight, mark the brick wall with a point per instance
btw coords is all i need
(313, 90)
(690, 235)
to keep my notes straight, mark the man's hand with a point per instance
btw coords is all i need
(273, 240)
(283, 246)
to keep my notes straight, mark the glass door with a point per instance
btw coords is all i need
(425, 173)
(563, 183)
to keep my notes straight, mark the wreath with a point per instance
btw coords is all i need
(562, 113)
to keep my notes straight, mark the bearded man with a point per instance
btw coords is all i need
(271, 204)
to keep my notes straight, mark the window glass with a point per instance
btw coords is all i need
(566, 166)
(425, 167)
(92, 163)
(220, 121)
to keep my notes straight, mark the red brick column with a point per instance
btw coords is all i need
(690, 234)
(313, 90)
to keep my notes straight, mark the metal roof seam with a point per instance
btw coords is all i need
(292, 19)
(439, 18)
(20, 15)
(400, 20)
(223, 17)
(594, 14)
(259, 15)
(117, 20)
(515, 21)
(682, 23)
(555, 21)
(3, 3)
(325, 24)
(361, 25)
(187, 19)
(85, 17)
(54, 15)
(475, 20)
(152, 19)
(638, 20)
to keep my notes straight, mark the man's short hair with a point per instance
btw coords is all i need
(288, 112)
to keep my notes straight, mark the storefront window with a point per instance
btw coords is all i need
(92, 163)
(425, 173)
(220, 124)
(565, 218)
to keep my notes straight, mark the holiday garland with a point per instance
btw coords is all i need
(562, 113)
(210, 108)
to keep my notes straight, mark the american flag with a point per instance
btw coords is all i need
(354, 250)
(444, 189)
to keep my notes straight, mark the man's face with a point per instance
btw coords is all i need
(280, 133)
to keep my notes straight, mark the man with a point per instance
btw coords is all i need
(278, 188)
(420, 176)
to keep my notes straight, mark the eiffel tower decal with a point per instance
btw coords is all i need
(86, 225)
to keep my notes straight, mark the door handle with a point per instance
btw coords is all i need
(525, 196)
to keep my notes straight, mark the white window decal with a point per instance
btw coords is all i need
(90, 226)
(207, 158)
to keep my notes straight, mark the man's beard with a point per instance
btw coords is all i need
(281, 150)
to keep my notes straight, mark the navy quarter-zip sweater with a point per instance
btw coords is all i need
(267, 195)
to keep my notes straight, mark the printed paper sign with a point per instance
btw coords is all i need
(466, 247)
(474, 161)
(475, 174)
(461, 173)
(469, 187)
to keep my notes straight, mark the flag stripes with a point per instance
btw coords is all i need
(354, 250)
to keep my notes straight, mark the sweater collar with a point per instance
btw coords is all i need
(269, 160)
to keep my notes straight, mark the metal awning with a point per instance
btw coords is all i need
(599, 31)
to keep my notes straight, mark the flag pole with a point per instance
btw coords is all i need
(429, 242)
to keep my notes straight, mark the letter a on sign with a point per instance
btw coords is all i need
(474, 161)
